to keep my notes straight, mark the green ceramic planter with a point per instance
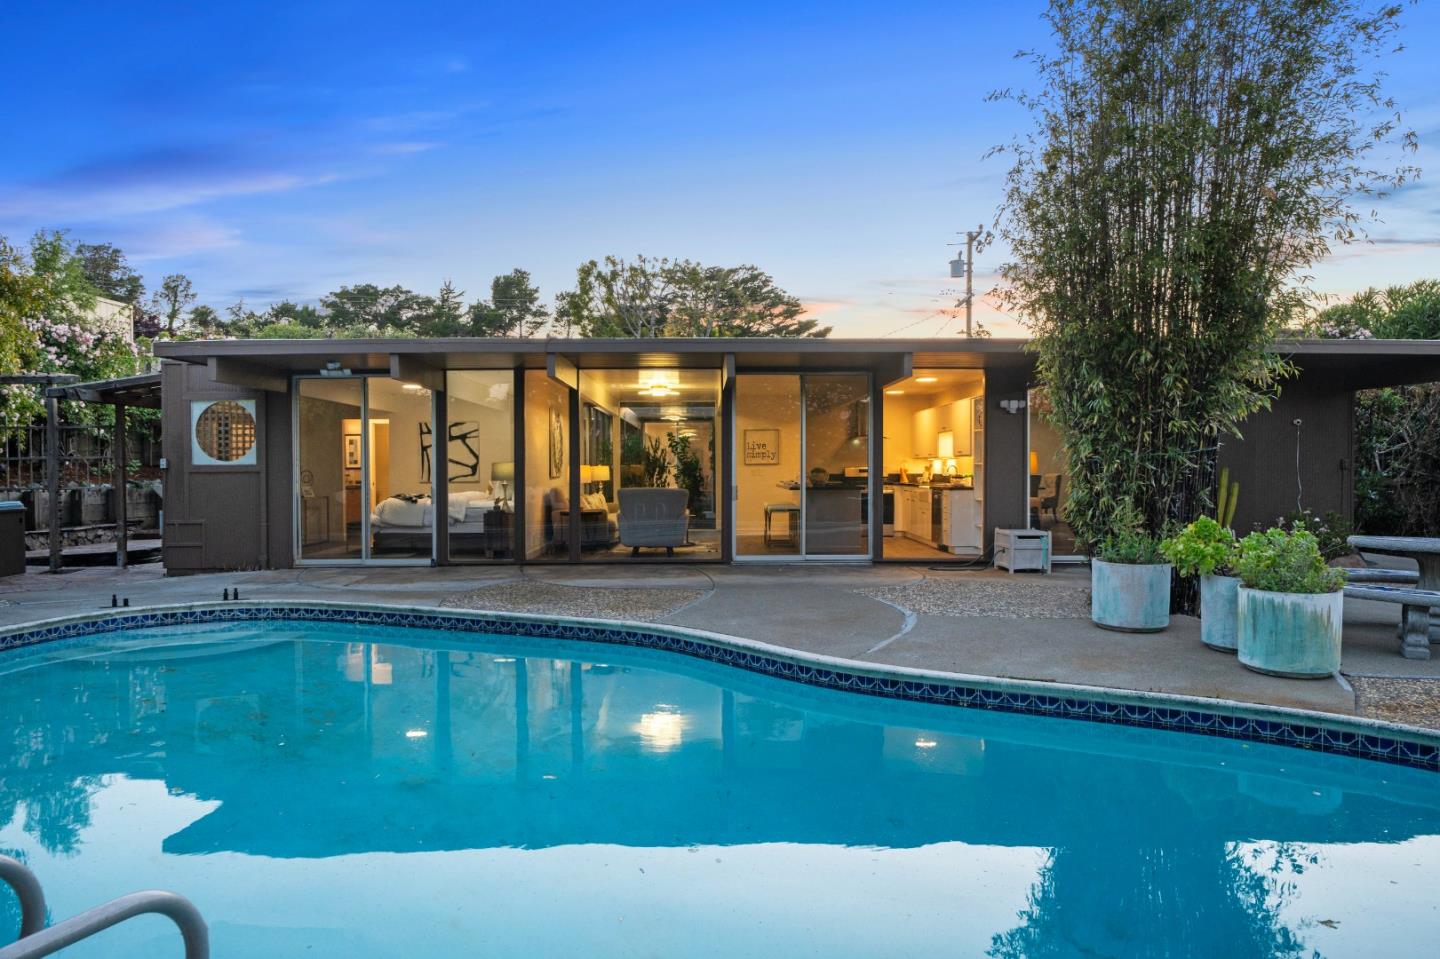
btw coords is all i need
(1130, 598)
(1290, 634)
(1219, 611)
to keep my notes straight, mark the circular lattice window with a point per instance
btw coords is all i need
(225, 431)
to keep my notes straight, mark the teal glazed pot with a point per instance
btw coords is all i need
(1219, 611)
(1290, 634)
(1129, 597)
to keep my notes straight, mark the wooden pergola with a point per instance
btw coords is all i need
(141, 391)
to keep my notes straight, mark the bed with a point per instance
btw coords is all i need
(402, 525)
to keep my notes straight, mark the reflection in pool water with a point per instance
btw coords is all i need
(336, 790)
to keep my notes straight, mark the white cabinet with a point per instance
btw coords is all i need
(961, 522)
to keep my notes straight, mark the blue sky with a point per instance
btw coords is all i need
(279, 150)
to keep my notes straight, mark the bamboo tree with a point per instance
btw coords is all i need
(1190, 159)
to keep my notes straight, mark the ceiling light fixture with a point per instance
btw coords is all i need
(926, 379)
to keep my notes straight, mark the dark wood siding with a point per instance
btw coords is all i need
(215, 516)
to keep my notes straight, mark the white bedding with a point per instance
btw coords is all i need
(463, 508)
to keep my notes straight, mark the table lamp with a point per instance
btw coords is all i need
(504, 474)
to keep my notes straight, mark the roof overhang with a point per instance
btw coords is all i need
(1366, 364)
(135, 391)
(268, 364)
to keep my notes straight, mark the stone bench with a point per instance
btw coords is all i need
(1377, 574)
(1414, 616)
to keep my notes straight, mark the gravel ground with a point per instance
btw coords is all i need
(597, 602)
(1413, 701)
(1002, 598)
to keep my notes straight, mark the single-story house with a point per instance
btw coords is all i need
(439, 451)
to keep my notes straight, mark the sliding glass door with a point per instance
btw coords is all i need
(802, 466)
(364, 470)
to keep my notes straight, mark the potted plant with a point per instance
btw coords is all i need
(1130, 583)
(1207, 549)
(1290, 605)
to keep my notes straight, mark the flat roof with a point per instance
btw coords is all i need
(1358, 363)
(141, 390)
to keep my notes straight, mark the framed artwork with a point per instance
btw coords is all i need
(762, 447)
(352, 451)
(462, 452)
(557, 443)
(979, 407)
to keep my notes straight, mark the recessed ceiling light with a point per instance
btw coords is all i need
(926, 379)
(894, 392)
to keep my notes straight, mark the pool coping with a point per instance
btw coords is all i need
(1354, 736)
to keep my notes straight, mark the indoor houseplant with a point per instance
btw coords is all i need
(1207, 549)
(1130, 583)
(1290, 605)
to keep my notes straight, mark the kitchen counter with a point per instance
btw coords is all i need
(918, 485)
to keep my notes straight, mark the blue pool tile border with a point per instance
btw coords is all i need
(1379, 742)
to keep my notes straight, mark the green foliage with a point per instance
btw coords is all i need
(647, 297)
(1190, 159)
(689, 472)
(656, 463)
(108, 271)
(1201, 548)
(1129, 542)
(1397, 447)
(48, 322)
(1286, 561)
(1332, 531)
(174, 297)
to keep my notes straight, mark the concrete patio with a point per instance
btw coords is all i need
(979, 622)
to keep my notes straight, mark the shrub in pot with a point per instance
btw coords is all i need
(1207, 549)
(1130, 583)
(1290, 605)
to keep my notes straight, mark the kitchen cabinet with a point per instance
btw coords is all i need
(926, 426)
(961, 522)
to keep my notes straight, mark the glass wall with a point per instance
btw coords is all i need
(1049, 477)
(330, 459)
(837, 458)
(478, 457)
(648, 468)
(399, 475)
(768, 465)
(547, 468)
(933, 455)
(802, 465)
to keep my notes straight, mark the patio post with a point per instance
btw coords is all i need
(52, 477)
(118, 453)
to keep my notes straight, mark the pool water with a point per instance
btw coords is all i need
(358, 791)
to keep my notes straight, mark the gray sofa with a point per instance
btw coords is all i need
(654, 517)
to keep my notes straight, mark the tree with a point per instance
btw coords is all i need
(1189, 159)
(648, 297)
(105, 266)
(1397, 445)
(174, 297)
(447, 315)
(205, 321)
(370, 310)
(514, 308)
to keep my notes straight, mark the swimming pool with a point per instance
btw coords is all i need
(340, 789)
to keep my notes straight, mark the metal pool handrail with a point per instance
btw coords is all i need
(36, 941)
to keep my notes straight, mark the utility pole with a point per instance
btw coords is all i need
(968, 265)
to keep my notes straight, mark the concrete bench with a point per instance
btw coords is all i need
(1414, 616)
(1377, 574)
